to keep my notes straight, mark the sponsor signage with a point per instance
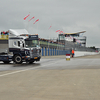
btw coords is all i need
(33, 36)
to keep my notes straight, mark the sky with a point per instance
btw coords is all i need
(68, 16)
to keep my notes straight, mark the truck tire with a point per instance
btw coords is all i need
(18, 59)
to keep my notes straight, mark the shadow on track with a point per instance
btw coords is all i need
(24, 64)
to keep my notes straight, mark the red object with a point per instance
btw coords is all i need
(72, 51)
(26, 17)
(60, 32)
(36, 21)
(50, 27)
(67, 54)
(31, 18)
(57, 30)
(3, 32)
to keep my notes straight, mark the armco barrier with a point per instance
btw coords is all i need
(53, 52)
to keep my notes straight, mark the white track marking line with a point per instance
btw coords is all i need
(27, 69)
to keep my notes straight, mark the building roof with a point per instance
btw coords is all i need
(76, 32)
(17, 32)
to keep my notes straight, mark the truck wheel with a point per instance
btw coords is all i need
(6, 62)
(18, 59)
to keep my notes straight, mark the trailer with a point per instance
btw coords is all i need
(21, 46)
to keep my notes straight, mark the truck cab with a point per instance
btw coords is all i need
(23, 46)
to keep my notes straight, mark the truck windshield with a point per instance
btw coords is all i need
(31, 43)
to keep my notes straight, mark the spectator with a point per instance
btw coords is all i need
(3, 33)
(7, 33)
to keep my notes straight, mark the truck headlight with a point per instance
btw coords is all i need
(38, 50)
(27, 56)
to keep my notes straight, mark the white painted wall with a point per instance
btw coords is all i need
(81, 53)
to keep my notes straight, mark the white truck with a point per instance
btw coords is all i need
(21, 46)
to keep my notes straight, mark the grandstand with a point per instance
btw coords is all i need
(77, 38)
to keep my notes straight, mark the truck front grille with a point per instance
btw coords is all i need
(33, 53)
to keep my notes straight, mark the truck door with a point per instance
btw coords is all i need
(18, 44)
(21, 44)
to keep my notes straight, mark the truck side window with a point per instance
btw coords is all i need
(19, 43)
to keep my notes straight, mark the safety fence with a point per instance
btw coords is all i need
(53, 52)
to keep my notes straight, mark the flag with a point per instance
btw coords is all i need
(57, 30)
(26, 17)
(50, 27)
(36, 21)
(61, 31)
(31, 18)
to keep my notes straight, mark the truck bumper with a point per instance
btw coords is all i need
(28, 59)
(5, 58)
